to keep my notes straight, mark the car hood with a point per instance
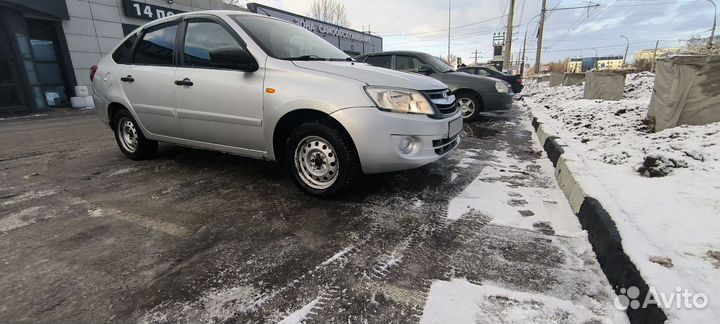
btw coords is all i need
(462, 77)
(373, 75)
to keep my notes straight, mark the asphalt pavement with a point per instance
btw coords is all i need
(88, 236)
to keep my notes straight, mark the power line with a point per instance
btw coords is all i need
(442, 30)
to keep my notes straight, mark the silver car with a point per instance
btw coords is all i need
(264, 88)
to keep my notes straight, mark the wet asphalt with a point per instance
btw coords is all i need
(88, 236)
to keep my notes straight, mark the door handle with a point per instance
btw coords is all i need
(184, 82)
(128, 78)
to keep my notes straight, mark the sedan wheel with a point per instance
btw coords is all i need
(128, 134)
(467, 107)
(317, 162)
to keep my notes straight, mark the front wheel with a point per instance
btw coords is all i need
(322, 159)
(469, 105)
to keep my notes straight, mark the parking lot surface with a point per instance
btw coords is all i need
(88, 236)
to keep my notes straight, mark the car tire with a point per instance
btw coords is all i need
(470, 105)
(130, 139)
(322, 159)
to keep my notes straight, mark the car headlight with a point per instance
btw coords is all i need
(400, 100)
(502, 87)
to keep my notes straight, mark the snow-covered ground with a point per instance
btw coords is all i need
(661, 189)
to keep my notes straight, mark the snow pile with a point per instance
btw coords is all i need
(661, 189)
(616, 132)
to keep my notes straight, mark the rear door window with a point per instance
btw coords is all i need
(157, 45)
(379, 60)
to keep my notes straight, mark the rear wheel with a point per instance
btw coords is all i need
(321, 159)
(130, 139)
(469, 105)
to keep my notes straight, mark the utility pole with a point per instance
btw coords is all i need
(476, 56)
(712, 33)
(626, 49)
(543, 12)
(652, 65)
(448, 56)
(522, 64)
(508, 36)
(538, 55)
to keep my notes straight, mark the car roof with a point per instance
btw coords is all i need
(205, 12)
(395, 53)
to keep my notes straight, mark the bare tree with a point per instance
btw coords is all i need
(642, 64)
(330, 11)
(239, 3)
(697, 44)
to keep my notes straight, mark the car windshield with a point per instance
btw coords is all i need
(438, 64)
(286, 41)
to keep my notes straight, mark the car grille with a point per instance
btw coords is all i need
(443, 146)
(443, 100)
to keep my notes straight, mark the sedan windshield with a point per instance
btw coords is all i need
(287, 41)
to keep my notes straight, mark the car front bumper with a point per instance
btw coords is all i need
(378, 136)
(497, 101)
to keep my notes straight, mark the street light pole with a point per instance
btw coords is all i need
(522, 65)
(712, 33)
(626, 49)
(448, 56)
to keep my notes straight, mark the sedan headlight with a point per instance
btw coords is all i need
(400, 100)
(502, 87)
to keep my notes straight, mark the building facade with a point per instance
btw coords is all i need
(350, 41)
(48, 46)
(602, 63)
(51, 44)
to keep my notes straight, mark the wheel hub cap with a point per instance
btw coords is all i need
(128, 135)
(316, 162)
(467, 106)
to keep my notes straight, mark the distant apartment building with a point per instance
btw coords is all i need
(583, 64)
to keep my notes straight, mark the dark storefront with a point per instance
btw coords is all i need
(35, 73)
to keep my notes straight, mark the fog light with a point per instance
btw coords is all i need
(406, 145)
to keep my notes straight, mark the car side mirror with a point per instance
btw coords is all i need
(425, 69)
(233, 58)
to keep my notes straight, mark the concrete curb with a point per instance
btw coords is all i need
(602, 231)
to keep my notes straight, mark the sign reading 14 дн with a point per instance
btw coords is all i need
(147, 11)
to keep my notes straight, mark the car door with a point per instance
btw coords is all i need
(217, 105)
(147, 76)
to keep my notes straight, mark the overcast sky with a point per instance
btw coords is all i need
(422, 24)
